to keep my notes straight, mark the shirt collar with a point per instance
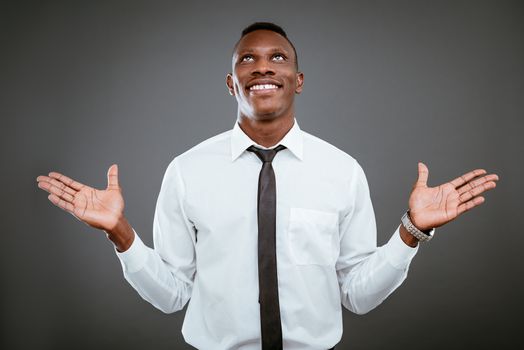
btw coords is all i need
(292, 140)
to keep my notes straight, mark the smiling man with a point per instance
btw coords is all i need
(265, 80)
(265, 229)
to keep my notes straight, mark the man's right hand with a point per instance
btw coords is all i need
(101, 209)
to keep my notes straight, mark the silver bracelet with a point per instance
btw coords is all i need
(421, 236)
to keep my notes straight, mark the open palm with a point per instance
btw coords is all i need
(100, 209)
(432, 207)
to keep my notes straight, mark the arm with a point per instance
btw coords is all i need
(163, 276)
(367, 275)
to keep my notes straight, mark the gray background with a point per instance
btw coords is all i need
(85, 84)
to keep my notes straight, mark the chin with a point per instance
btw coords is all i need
(267, 112)
(265, 115)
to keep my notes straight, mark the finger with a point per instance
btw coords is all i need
(423, 174)
(112, 177)
(68, 181)
(44, 184)
(466, 196)
(477, 182)
(61, 203)
(58, 184)
(463, 179)
(470, 205)
(59, 192)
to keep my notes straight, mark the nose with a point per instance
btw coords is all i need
(263, 67)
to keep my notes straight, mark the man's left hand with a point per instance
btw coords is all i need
(431, 207)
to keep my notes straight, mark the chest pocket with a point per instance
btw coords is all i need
(313, 237)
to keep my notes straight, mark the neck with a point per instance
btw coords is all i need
(266, 132)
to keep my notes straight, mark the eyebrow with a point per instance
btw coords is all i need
(272, 50)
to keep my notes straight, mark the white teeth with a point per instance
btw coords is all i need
(263, 87)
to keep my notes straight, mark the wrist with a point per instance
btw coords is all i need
(122, 235)
(414, 231)
(407, 237)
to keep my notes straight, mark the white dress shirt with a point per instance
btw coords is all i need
(205, 236)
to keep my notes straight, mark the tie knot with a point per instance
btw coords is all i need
(266, 155)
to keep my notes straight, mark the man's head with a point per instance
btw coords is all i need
(271, 27)
(265, 74)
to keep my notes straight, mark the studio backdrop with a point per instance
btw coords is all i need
(85, 84)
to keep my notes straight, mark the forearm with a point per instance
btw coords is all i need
(152, 278)
(163, 276)
(370, 282)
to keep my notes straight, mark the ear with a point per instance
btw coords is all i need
(230, 85)
(299, 82)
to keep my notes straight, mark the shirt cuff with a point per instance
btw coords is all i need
(135, 257)
(398, 253)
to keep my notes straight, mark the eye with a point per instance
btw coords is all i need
(279, 57)
(246, 58)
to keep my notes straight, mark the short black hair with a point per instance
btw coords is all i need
(267, 26)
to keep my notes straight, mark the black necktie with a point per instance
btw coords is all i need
(270, 324)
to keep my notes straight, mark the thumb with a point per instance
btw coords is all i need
(423, 174)
(112, 177)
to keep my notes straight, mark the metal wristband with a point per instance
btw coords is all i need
(421, 236)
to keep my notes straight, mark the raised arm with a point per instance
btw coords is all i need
(367, 274)
(163, 276)
(101, 209)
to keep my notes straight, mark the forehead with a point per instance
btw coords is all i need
(262, 40)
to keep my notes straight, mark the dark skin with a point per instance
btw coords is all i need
(264, 81)
(263, 57)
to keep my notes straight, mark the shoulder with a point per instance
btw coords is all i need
(336, 161)
(324, 152)
(217, 146)
(215, 143)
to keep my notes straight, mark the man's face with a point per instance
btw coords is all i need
(265, 78)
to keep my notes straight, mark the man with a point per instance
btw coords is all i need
(265, 228)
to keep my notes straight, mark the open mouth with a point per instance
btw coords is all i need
(262, 87)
